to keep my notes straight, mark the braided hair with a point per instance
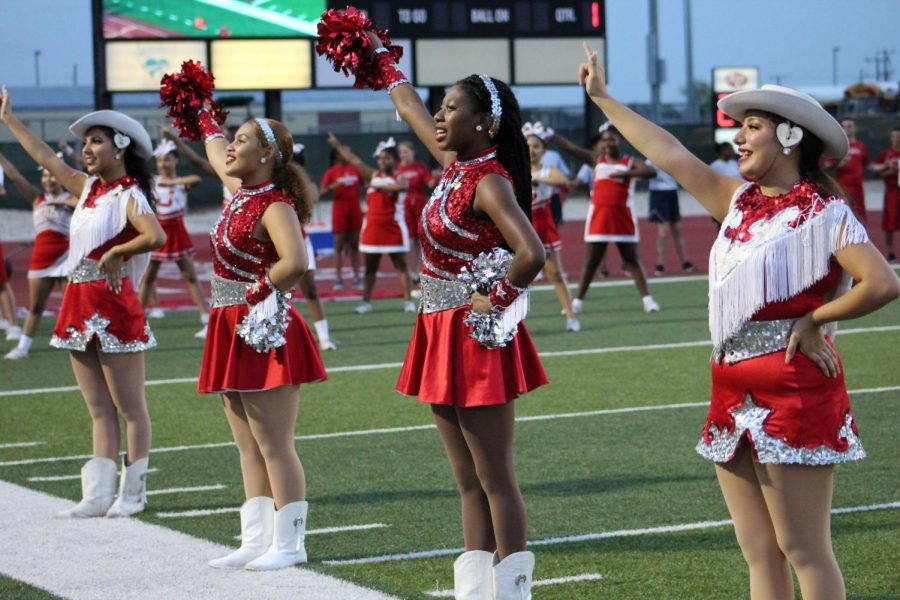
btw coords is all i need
(512, 150)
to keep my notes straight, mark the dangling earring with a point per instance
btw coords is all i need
(263, 160)
(479, 128)
(118, 156)
(787, 151)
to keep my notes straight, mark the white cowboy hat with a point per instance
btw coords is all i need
(127, 129)
(799, 108)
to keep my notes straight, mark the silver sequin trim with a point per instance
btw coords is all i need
(755, 338)
(109, 343)
(441, 194)
(749, 419)
(88, 270)
(477, 161)
(440, 294)
(227, 292)
(233, 208)
(445, 274)
(256, 191)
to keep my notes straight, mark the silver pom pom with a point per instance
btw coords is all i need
(496, 328)
(262, 329)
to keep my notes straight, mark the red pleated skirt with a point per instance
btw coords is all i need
(178, 241)
(545, 227)
(91, 310)
(444, 365)
(230, 365)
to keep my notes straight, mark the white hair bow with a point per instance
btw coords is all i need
(298, 148)
(164, 147)
(537, 129)
(382, 146)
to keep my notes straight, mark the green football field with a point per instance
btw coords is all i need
(619, 505)
(211, 18)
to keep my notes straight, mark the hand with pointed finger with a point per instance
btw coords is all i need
(591, 74)
(809, 339)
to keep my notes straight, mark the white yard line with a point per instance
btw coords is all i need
(361, 432)
(587, 537)
(20, 445)
(397, 365)
(187, 490)
(70, 477)
(100, 559)
(535, 583)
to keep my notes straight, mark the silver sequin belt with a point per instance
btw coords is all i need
(227, 292)
(443, 294)
(755, 338)
(88, 270)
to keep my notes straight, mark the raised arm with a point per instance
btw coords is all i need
(713, 190)
(71, 179)
(347, 154)
(186, 151)
(550, 176)
(216, 150)
(583, 154)
(28, 190)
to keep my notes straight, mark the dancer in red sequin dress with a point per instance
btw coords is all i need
(52, 211)
(417, 177)
(481, 202)
(259, 252)
(101, 322)
(887, 165)
(780, 274)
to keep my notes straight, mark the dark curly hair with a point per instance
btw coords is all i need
(136, 167)
(512, 149)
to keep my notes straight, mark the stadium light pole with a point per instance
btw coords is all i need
(37, 68)
(834, 54)
(689, 62)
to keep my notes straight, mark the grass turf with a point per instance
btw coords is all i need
(589, 474)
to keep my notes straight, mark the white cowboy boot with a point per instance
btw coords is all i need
(98, 490)
(287, 545)
(257, 525)
(473, 577)
(512, 576)
(132, 489)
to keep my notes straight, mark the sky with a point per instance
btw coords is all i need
(791, 41)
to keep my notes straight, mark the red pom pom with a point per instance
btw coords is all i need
(186, 93)
(343, 41)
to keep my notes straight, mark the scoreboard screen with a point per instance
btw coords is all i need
(485, 18)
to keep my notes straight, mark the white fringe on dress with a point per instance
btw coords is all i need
(92, 227)
(778, 268)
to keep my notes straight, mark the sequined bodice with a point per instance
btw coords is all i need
(237, 255)
(452, 233)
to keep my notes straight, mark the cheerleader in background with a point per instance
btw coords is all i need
(384, 228)
(7, 298)
(101, 321)
(346, 216)
(51, 211)
(417, 177)
(171, 203)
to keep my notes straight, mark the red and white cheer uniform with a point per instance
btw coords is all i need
(414, 198)
(52, 217)
(611, 217)
(384, 227)
(443, 365)
(171, 203)
(890, 218)
(89, 308)
(850, 176)
(773, 262)
(239, 261)
(541, 214)
(346, 212)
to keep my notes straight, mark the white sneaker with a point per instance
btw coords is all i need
(326, 345)
(576, 306)
(416, 294)
(650, 305)
(156, 313)
(201, 335)
(363, 308)
(13, 333)
(16, 353)
(573, 325)
(410, 307)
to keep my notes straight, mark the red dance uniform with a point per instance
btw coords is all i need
(788, 413)
(51, 217)
(443, 364)
(346, 213)
(384, 228)
(850, 176)
(890, 218)
(89, 308)
(239, 261)
(4, 276)
(611, 217)
(417, 176)
(171, 204)
(541, 214)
